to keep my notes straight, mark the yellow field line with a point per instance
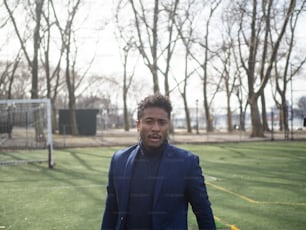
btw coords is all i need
(251, 200)
(231, 226)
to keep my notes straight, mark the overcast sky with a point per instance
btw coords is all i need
(97, 33)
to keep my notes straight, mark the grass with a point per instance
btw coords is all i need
(251, 186)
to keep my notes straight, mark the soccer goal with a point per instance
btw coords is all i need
(25, 124)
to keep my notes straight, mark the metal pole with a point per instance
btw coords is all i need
(197, 116)
(272, 122)
(291, 108)
(50, 139)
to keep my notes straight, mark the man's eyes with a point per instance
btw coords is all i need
(160, 122)
(163, 122)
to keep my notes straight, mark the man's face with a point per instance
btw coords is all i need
(153, 127)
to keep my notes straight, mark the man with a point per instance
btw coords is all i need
(151, 183)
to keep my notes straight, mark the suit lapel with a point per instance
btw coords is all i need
(128, 174)
(163, 168)
(130, 163)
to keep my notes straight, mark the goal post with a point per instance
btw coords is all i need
(25, 124)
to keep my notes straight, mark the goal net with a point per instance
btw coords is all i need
(25, 131)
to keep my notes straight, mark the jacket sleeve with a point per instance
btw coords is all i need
(111, 208)
(198, 197)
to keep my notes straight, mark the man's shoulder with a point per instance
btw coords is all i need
(125, 151)
(180, 151)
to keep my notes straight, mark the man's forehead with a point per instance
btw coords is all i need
(155, 118)
(152, 113)
(154, 110)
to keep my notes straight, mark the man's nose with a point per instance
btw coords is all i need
(156, 126)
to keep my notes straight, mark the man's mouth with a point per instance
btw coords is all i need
(154, 137)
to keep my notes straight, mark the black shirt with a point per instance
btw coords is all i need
(142, 188)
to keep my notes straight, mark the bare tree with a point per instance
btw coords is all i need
(185, 26)
(127, 81)
(229, 78)
(53, 79)
(172, 37)
(147, 32)
(284, 73)
(156, 37)
(66, 33)
(127, 45)
(192, 39)
(204, 44)
(12, 77)
(253, 40)
(32, 63)
(8, 67)
(7, 77)
(187, 75)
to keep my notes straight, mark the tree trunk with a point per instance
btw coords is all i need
(154, 48)
(187, 115)
(284, 112)
(228, 107)
(242, 120)
(229, 116)
(71, 97)
(264, 113)
(208, 117)
(257, 127)
(125, 112)
(39, 133)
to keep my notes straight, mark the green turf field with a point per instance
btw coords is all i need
(251, 186)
